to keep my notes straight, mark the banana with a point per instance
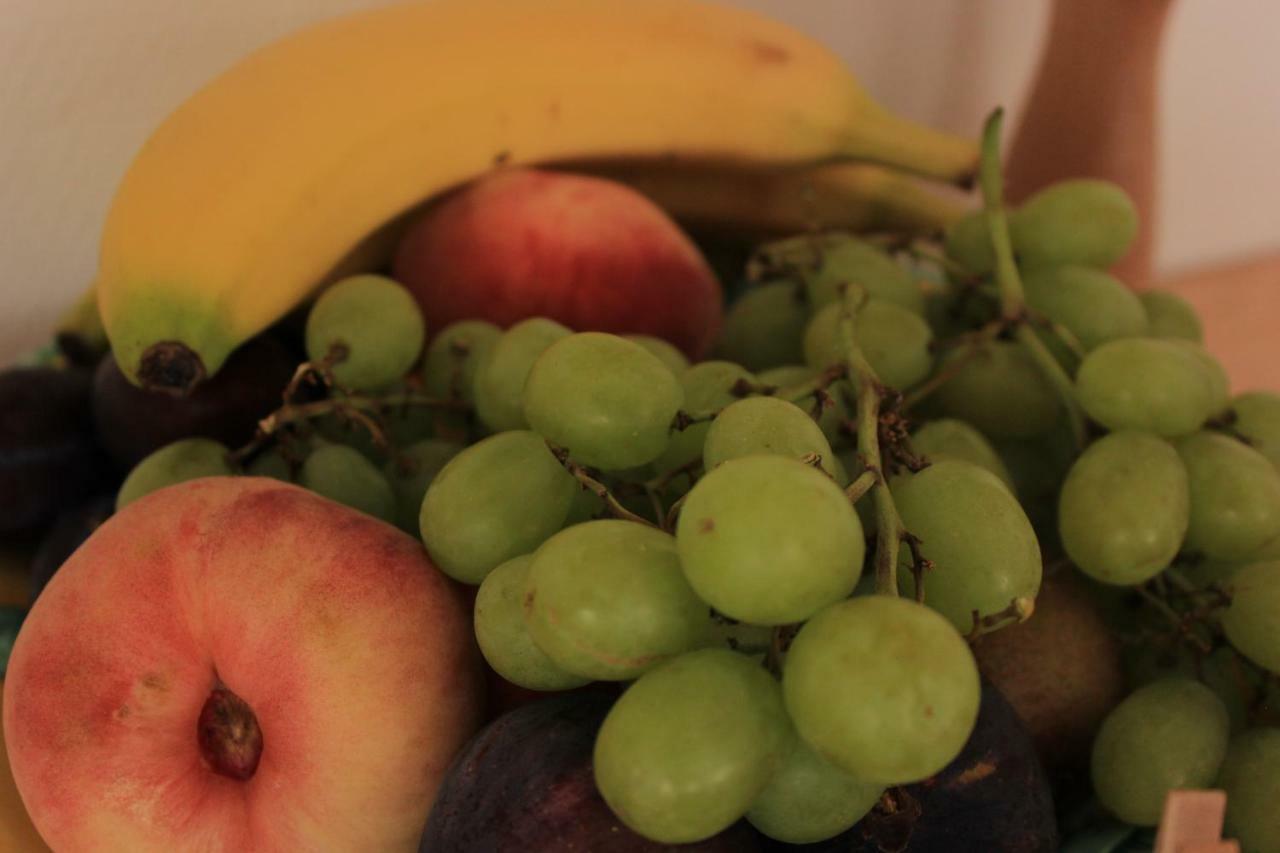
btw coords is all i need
(252, 191)
(761, 204)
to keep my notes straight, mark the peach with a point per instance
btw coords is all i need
(237, 664)
(588, 252)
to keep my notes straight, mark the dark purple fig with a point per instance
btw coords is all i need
(993, 798)
(132, 422)
(525, 784)
(48, 457)
(65, 535)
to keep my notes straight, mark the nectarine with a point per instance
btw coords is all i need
(237, 664)
(587, 252)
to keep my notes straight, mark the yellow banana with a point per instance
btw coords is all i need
(248, 194)
(764, 203)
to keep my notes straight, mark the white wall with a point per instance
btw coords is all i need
(82, 82)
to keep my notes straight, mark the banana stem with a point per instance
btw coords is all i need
(1012, 299)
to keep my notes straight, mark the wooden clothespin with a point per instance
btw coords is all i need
(1192, 823)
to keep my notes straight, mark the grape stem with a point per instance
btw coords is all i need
(860, 486)
(889, 527)
(815, 387)
(1019, 610)
(972, 341)
(597, 488)
(1012, 297)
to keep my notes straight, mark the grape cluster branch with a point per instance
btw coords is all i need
(1012, 299)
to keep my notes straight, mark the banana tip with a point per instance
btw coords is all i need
(170, 367)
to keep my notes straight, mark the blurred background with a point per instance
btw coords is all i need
(85, 82)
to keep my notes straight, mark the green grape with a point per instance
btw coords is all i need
(503, 368)
(688, 748)
(607, 600)
(769, 540)
(1083, 221)
(187, 459)
(1171, 316)
(895, 341)
(1252, 621)
(411, 471)
(503, 636)
(1235, 497)
(1000, 390)
(1124, 508)
(983, 548)
(374, 323)
(883, 688)
(664, 351)
(764, 327)
(952, 439)
(811, 800)
(1147, 384)
(1250, 775)
(708, 386)
(453, 358)
(586, 506)
(1222, 671)
(765, 425)
(1215, 375)
(500, 498)
(1257, 418)
(344, 475)
(606, 399)
(849, 260)
(1169, 734)
(968, 243)
(273, 464)
(834, 416)
(1092, 305)
(401, 424)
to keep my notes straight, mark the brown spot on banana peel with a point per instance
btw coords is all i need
(767, 53)
(171, 367)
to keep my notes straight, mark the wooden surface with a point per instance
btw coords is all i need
(1240, 306)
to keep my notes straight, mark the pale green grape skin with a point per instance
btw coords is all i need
(500, 498)
(453, 357)
(968, 243)
(1235, 497)
(765, 425)
(707, 387)
(379, 324)
(1252, 620)
(1250, 775)
(982, 545)
(1147, 384)
(586, 506)
(665, 351)
(1214, 373)
(811, 800)
(882, 687)
(503, 368)
(607, 600)
(271, 464)
(849, 260)
(1082, 221)
(503, 636)
(764, 327)
(832, 416)
(1094, 306)
(1124, 508)
(948, 438)
(1001, 391)
(1171, 316)
(1223, 671)
(775, 560)
(1168, 734)
(688, 748)
(1257, 418)
(411, 471)
(894, 340)
(605, 399)
(186, 459)
(346, 476)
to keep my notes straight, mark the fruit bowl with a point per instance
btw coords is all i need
(638, 443)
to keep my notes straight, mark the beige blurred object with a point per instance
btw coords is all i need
(1192, 823)
(1093, 111)
(1239, 305)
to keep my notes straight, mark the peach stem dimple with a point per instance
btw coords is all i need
(229, 736)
